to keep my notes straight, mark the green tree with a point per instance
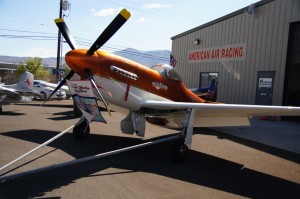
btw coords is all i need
(67, 69)
(34, 66)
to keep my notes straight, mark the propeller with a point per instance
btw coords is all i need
(70, 74)
(110, 30)
(68, 37)
(65, 32)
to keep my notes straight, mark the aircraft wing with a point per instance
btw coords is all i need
(17, 94)
(9, 92)
(224, 110)
(214, 114)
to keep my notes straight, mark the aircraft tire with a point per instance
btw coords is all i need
(180, 151)
(81, 130)
(1, 109)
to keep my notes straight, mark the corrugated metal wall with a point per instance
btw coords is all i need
(266, 35)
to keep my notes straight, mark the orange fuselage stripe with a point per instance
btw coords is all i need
(149, 80)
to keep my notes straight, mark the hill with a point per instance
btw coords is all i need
(51, 61)
(147, 58)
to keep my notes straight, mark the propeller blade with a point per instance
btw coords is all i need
(65, 32)
(71, 73)
(111, 29)
(89, 74)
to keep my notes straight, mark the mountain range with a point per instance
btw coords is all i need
(147, 58)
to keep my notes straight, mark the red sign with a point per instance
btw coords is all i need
(234, 52)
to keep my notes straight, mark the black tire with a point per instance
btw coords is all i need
(43, 96)
(180, 151)
(1, 109)
(81, 130)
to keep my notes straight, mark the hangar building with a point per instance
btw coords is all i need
(254, 53)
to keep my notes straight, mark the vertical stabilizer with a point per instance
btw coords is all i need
(25, 83)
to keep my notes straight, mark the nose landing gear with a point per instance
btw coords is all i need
(81, 129)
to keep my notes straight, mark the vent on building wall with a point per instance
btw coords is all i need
(196, 41)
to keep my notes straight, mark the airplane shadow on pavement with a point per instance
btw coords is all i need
(200, 169)
(11, 113)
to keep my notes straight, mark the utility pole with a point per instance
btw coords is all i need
(64, 5)
(58, 45)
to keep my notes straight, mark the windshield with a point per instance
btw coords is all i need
(166, 71)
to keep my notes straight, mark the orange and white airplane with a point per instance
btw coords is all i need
(155, 94)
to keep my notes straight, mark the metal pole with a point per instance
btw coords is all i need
(33, 150)
(93, 157)
(58, 44)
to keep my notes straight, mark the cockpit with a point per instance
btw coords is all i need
(166, 71)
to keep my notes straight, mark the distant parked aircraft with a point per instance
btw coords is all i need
(18, 93)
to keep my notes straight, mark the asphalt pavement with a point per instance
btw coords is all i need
(269, 131)
(261, 161)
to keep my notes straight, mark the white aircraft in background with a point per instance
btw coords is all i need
(18, 93)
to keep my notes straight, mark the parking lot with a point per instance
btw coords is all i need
(221, 163)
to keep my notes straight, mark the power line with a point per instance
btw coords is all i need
(85, 42)
(13, 30)
(76, 38)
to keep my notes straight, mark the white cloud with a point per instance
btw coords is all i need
(104, 12)
(40, 52)
(142, 19)
(155, 6)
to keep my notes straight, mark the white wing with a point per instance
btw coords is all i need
(213, 114)
(230, 110)
(9, 92)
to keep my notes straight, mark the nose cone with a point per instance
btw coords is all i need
(78, 60)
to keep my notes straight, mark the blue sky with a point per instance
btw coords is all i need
(151, 26)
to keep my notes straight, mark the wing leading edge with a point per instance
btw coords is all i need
(216, 114)
(229, 110)
(10, 92)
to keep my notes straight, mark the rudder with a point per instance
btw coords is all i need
(25, 83)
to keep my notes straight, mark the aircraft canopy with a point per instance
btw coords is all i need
(166, 71)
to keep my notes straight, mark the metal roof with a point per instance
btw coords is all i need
(257, 4)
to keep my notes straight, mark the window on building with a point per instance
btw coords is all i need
(206, 78)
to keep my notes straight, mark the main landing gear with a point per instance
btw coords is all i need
(81, 129)
(179, 151)
(183, 144)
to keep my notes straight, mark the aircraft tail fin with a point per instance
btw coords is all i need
(25, 83)
(209, 93)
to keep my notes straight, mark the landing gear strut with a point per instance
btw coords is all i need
(179, 151)
(81, 129)
(183, 144)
